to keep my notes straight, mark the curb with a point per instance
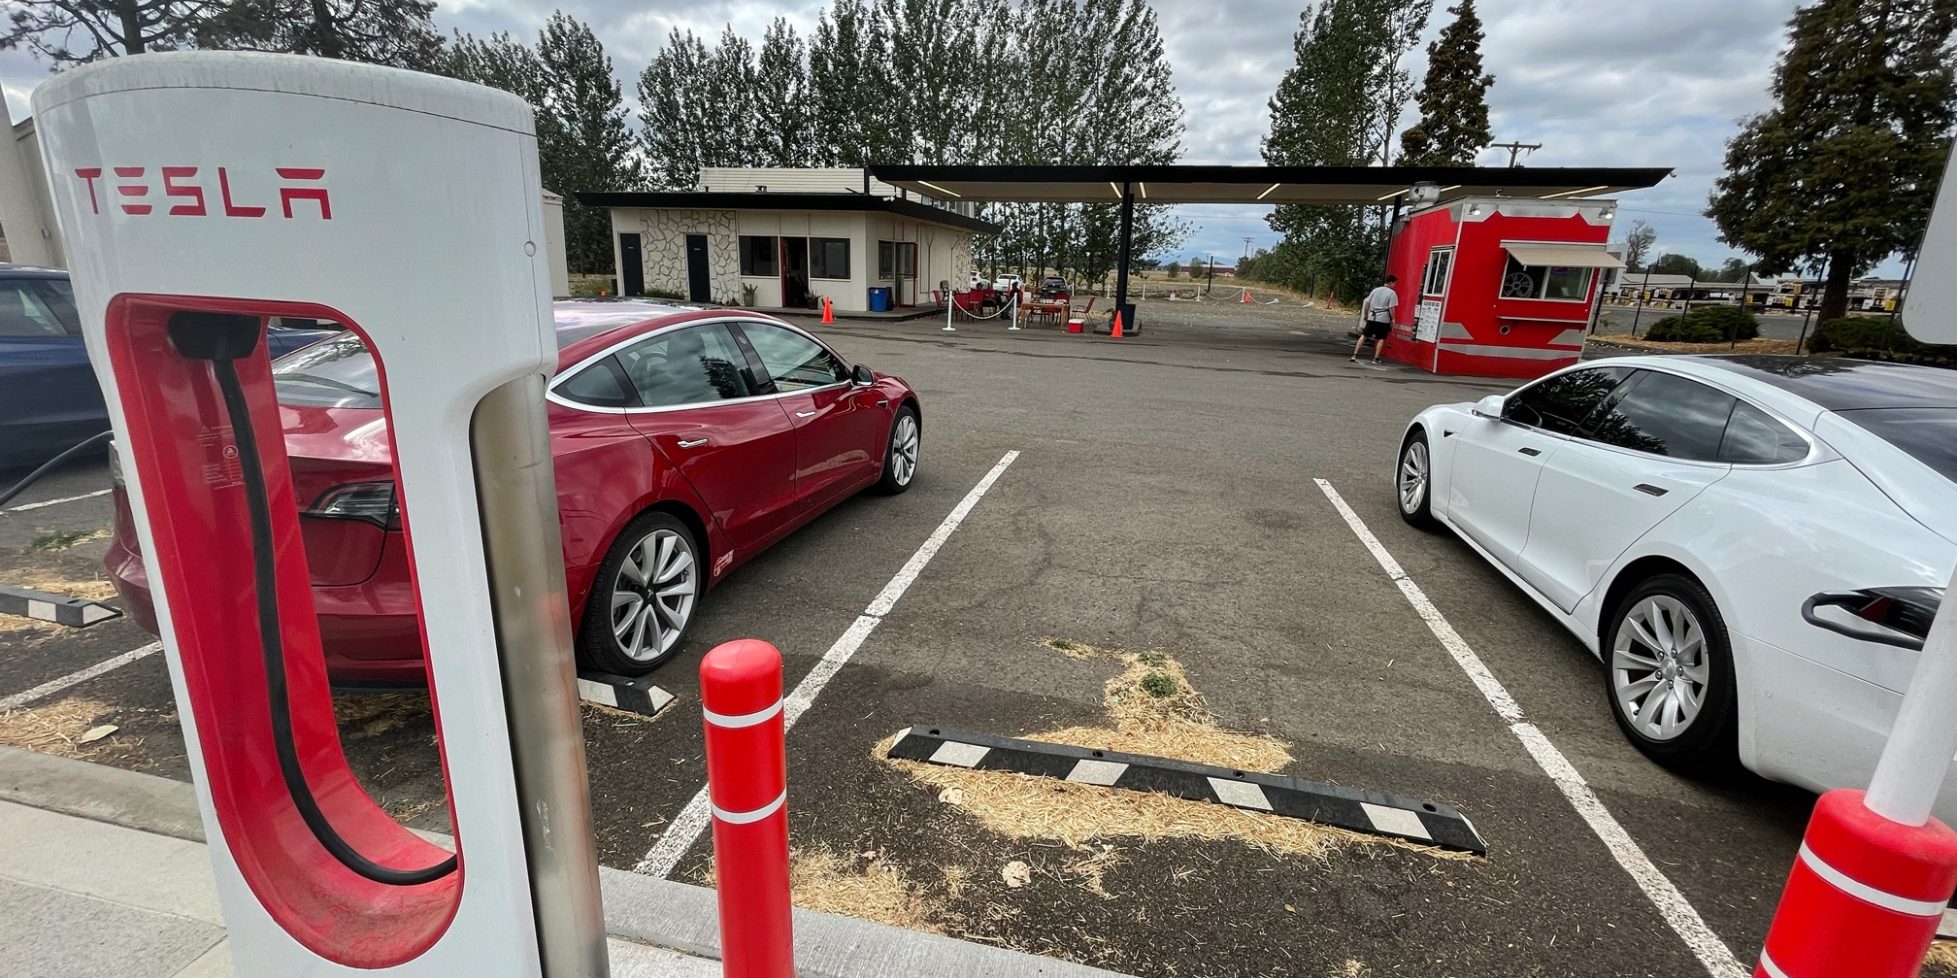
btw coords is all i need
(639, 908)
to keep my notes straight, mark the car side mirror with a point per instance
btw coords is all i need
(863, 377)
(1490, 406)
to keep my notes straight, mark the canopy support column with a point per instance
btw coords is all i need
(1122, 256)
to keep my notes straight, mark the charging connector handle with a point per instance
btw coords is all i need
(221, 338)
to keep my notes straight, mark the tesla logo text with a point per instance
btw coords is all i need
(183, 193)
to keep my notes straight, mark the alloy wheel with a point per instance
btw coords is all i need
(1660, 667)
(1413, 476)
(652, 596)
(903, 449)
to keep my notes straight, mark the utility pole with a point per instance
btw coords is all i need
(1246, 246)
(1516, 149)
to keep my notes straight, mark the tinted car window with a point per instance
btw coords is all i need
(335, 372)
(692, 365)
(1562, 403)
(37, 307)
(602, 384)
(1755, 438)
(1929, 435)
(1666, 415)
(793, 360)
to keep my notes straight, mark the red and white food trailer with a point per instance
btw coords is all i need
(1497, 286)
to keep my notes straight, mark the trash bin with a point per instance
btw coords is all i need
(880, 299)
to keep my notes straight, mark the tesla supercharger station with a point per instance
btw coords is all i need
(200, 194)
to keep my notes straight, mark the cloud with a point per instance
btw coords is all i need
(1596, 82)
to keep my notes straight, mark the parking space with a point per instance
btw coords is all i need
(1161, 515)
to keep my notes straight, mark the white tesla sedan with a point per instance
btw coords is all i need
(1753, 545)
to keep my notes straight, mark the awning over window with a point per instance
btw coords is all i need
(1562, 255)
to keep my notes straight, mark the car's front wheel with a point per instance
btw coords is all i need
(900, 456)
(1413, 479)
(1668, 671)
(643, 597)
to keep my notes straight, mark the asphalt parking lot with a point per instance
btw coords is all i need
(1163, 499)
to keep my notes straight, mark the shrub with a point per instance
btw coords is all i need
(1679, 329)
(1706, 324)
(1861, 333)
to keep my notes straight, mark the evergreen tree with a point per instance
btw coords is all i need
(70, 32)
(1453, 98)
(674, 118)
(1843, 171)
(499, 62)
(928, 71)
(385, 32)
(728, 95)
(594, 147)
(781, 94)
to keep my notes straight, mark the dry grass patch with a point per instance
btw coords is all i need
(59, 727)
(1759, 345)
(1943, 954)
(1153, 709)
(865, 886)
(373, 714)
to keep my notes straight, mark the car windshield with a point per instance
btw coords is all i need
(339, 372)
(1927, 434)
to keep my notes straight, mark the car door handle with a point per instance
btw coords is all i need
(805, 414)
(693, 442)
(1649, 489)
(1531, 452)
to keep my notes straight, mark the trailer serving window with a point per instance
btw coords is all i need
(1557, 283)
(1440, 261)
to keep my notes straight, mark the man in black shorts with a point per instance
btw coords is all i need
(1376, 318)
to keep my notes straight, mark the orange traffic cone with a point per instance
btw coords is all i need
(828, 312)
(1246, 297)
(1116, 333)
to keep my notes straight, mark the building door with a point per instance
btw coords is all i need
(631, 265)
(795, 273)
(699, 285)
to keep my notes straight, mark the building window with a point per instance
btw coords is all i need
(1440, 261)
(896, 259)
(758, 255)
(828, 257)
(1554, 282)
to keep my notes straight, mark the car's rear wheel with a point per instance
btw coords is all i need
(1668, 672)
(643, 597)
(1412, 479)
(900, 457)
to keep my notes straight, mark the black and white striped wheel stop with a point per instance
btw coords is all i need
(1428, 823)
(42, 606)
(623, 693)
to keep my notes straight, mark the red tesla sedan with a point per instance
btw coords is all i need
(685, 441)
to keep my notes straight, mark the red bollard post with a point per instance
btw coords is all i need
(1865, 896)
(747, 786)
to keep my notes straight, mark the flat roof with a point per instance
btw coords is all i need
(1202, 184)
(710, 200)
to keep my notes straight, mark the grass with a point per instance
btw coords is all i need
(1160, 685)
(59, 540)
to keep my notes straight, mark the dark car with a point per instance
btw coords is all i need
(1055, 287)
(49, 400)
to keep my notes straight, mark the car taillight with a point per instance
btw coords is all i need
(115, 466)
(370, 501)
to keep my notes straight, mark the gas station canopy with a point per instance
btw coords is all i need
(1180, 184)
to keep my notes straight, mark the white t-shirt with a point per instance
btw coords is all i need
(1380, 304)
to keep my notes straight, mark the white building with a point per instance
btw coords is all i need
(784, 237)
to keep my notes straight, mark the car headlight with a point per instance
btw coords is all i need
(370, 501)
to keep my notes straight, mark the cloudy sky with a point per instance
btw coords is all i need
(1597, 82)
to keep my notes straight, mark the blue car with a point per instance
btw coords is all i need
(48, 396)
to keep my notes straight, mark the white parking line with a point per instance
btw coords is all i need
(54, 686)
(692, 820)
(1678, 912)
(24, 507)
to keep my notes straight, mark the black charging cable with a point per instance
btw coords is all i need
(7, 495)
(222, 338)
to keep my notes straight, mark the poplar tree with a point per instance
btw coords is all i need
(1842, 172)
(784, 130)
(1453, 98)
(850, 85)
(675, 120)
(595, 147)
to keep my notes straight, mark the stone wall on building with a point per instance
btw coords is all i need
(662, 243)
